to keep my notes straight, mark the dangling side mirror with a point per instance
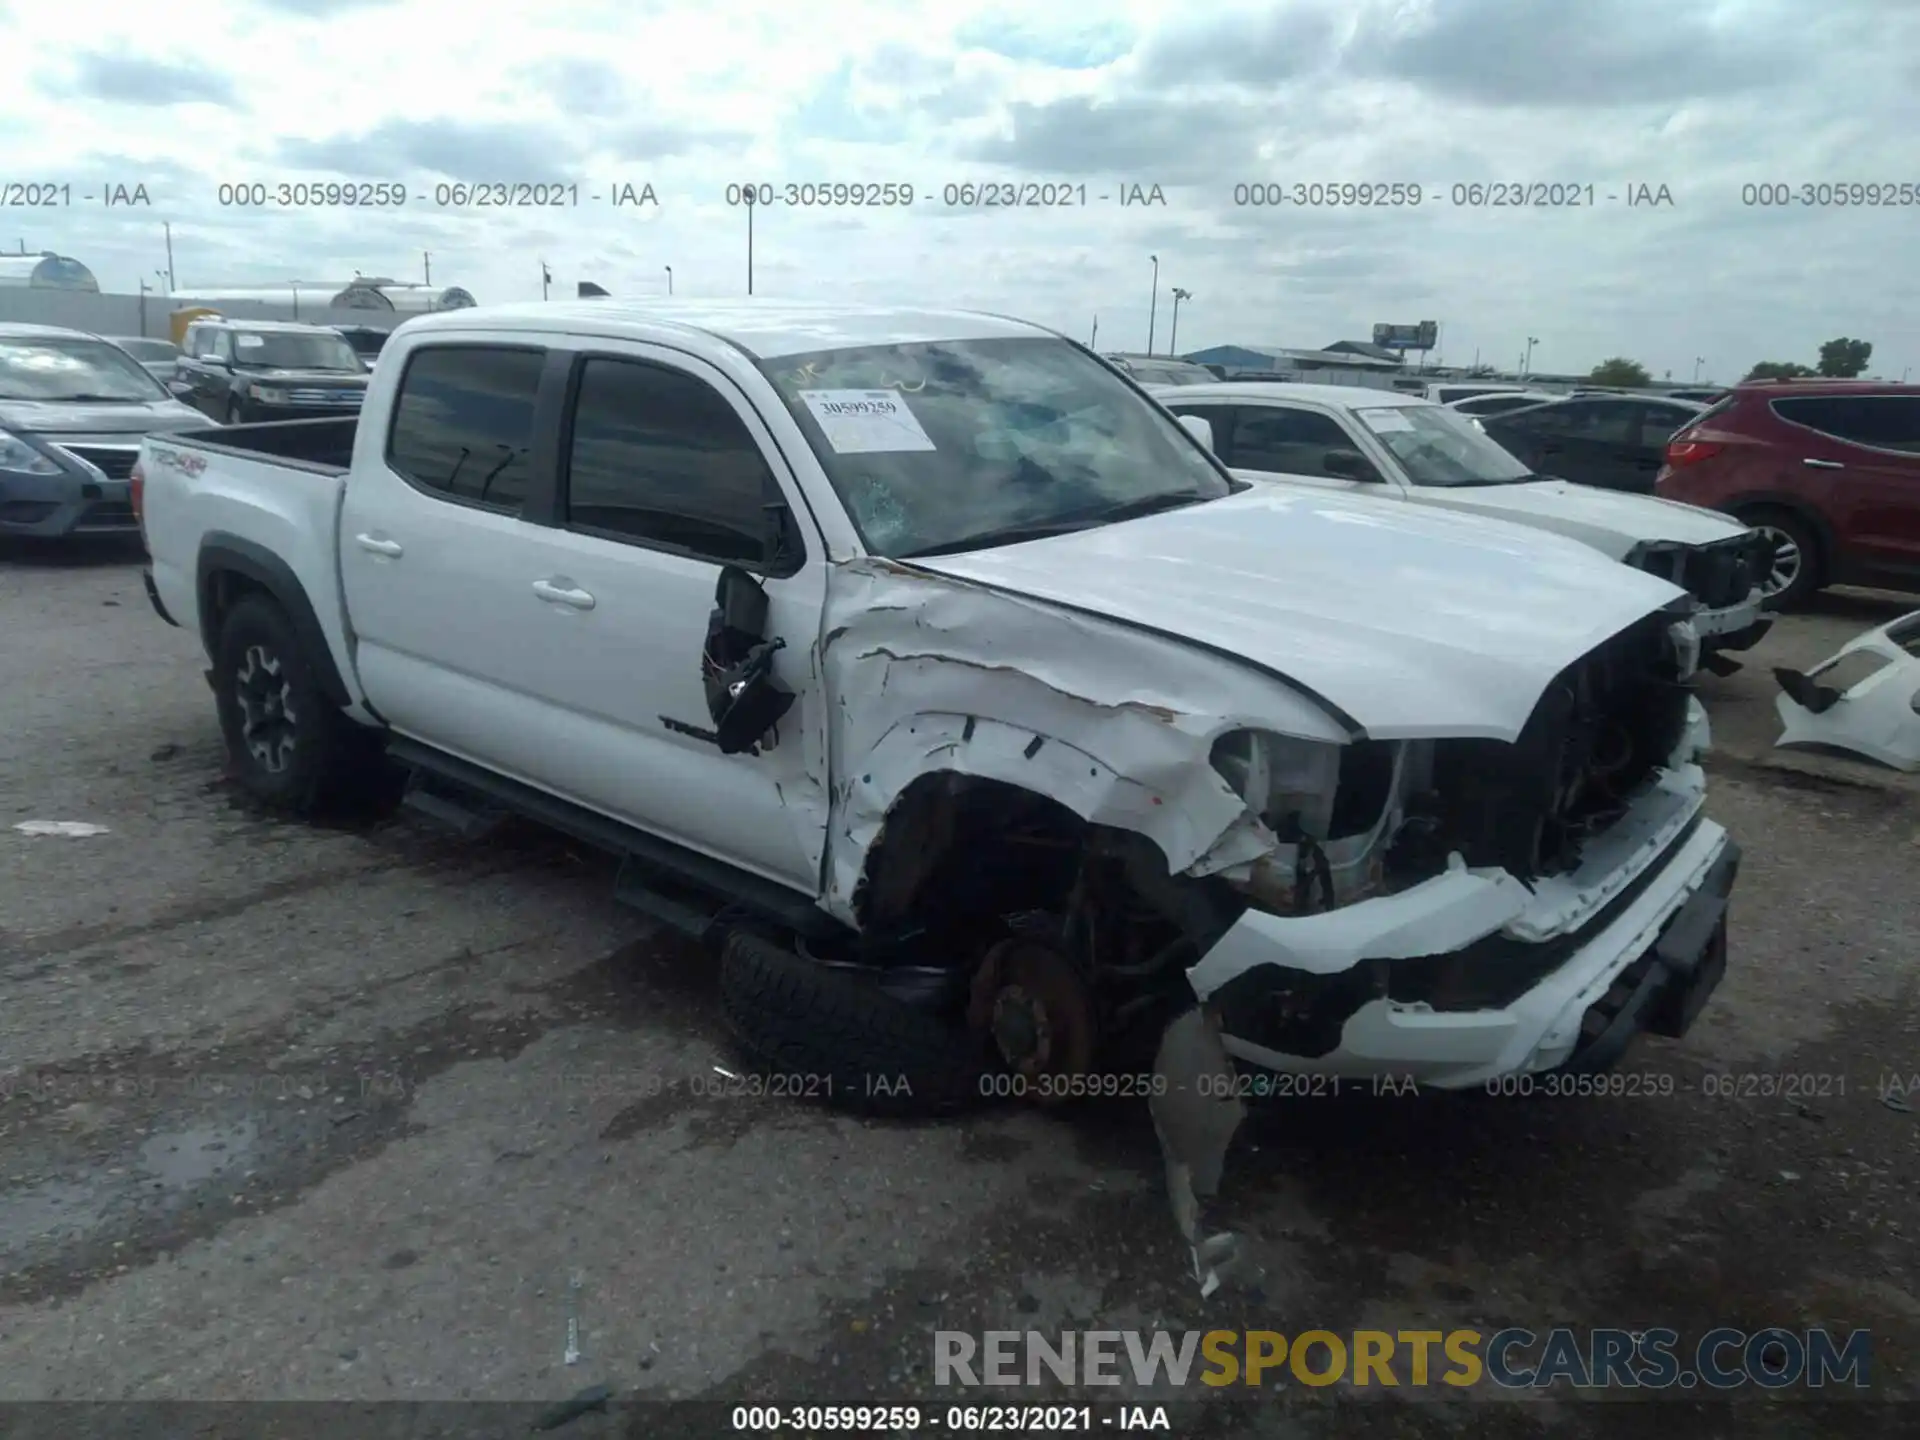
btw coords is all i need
(744, 698)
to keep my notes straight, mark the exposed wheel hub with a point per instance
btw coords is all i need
(1031, 999)
(265, 699)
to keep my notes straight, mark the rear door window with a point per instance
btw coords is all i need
(463, 423)
(1880, 422)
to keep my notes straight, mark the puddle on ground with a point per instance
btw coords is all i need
(181, 1159)
(50, 1210)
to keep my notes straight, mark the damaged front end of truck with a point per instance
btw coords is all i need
(1127, 865)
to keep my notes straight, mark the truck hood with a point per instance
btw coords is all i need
(1609, 520)
(54, 417)
(1409, 622)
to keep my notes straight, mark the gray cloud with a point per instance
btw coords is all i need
(1598, 53)
(119, 79)
(478, 151)
(1242, 49)
(584, 87)
(650, 141)
(1151, 141)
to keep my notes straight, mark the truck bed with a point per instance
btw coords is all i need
(323, 445)
(261, 500)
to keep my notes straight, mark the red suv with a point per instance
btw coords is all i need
(1829, 469)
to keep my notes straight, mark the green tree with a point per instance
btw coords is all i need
(1620, 373)
(1777, 370)
(1843, 359)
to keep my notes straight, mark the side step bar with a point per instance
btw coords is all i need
(655, 874)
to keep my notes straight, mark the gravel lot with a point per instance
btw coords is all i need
(369, 1113)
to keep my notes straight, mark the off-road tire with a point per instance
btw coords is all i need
(848, 1043)
(330, 758)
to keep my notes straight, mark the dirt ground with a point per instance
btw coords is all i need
(365, 1114)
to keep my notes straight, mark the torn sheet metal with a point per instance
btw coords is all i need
(935, 675)
(1864, 699)
(1196, 1112)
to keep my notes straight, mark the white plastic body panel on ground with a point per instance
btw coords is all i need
(1878, 716)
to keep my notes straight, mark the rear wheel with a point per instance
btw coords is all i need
(1794, 576)
(289, 747)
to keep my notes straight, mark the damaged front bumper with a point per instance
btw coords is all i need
(1472, 975)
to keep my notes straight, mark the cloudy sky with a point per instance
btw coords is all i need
(1704, 97)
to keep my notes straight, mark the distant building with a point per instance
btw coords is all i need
(1366, 351)
(47, 271)
(383, 296)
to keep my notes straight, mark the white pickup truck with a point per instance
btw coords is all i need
(938, 672)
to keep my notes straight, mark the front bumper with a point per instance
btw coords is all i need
(1510, 977)
(254, 412)
(65, 504)
(1733, 627)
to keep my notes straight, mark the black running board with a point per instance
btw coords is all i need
(656, 875)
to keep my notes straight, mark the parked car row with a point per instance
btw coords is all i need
(1400, 447)
(970, 701)
(73, 407)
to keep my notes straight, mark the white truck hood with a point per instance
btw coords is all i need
(1412, 623)
(1608, 520)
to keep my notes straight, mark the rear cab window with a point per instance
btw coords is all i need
(462, 427)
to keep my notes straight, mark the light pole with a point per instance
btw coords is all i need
(1526, 364)
(144, 288)
(1173, 330)
(426, 267)
(1153, 305)
(669, 270)
(1698, 361)
(748, 191)
(168, 227)
(546, 279)
(1093, 340)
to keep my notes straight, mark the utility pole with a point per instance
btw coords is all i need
(669, 270)
(167, 225)
(1173, 331)
(748, 190)
(1093, 340)
(1154, 304)
(1526, 363)
(546, 279)
(426, 262)
(144, 287)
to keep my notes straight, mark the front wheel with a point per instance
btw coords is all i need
(288, 746)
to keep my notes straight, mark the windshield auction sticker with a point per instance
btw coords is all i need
(865, 422)
(1384, 422)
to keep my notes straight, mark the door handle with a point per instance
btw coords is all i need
(374, 545)
(1812, 464)
(563, 595)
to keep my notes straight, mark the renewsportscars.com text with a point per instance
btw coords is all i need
(1653, 1358)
